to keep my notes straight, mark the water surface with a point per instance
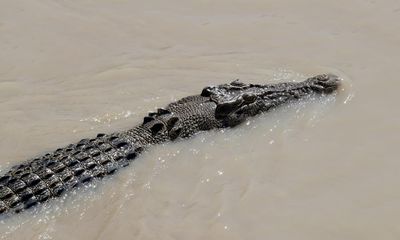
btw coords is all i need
(321, 169)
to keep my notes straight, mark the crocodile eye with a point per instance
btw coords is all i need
(206, 92)
(224, 109)
(249, 98)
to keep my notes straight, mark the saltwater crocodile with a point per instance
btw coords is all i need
(226, 105)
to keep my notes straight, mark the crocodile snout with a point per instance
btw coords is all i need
(324, 83)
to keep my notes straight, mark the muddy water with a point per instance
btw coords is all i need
(322, 169)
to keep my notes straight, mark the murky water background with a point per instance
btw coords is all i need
(322, 169)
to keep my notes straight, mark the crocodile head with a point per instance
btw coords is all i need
(237, 101)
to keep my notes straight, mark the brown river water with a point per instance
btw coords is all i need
(321, 169)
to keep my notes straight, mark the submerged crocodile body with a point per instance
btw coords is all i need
(221, 106)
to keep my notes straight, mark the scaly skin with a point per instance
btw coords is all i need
(222, 106)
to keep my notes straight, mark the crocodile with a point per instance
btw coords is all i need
(227, 105)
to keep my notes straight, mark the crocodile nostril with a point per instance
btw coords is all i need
(328, 78)
(324, 83)
(323, 77)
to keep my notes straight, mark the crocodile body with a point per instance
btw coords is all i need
(226, 105)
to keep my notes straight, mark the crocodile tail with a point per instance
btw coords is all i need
(51, 175)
